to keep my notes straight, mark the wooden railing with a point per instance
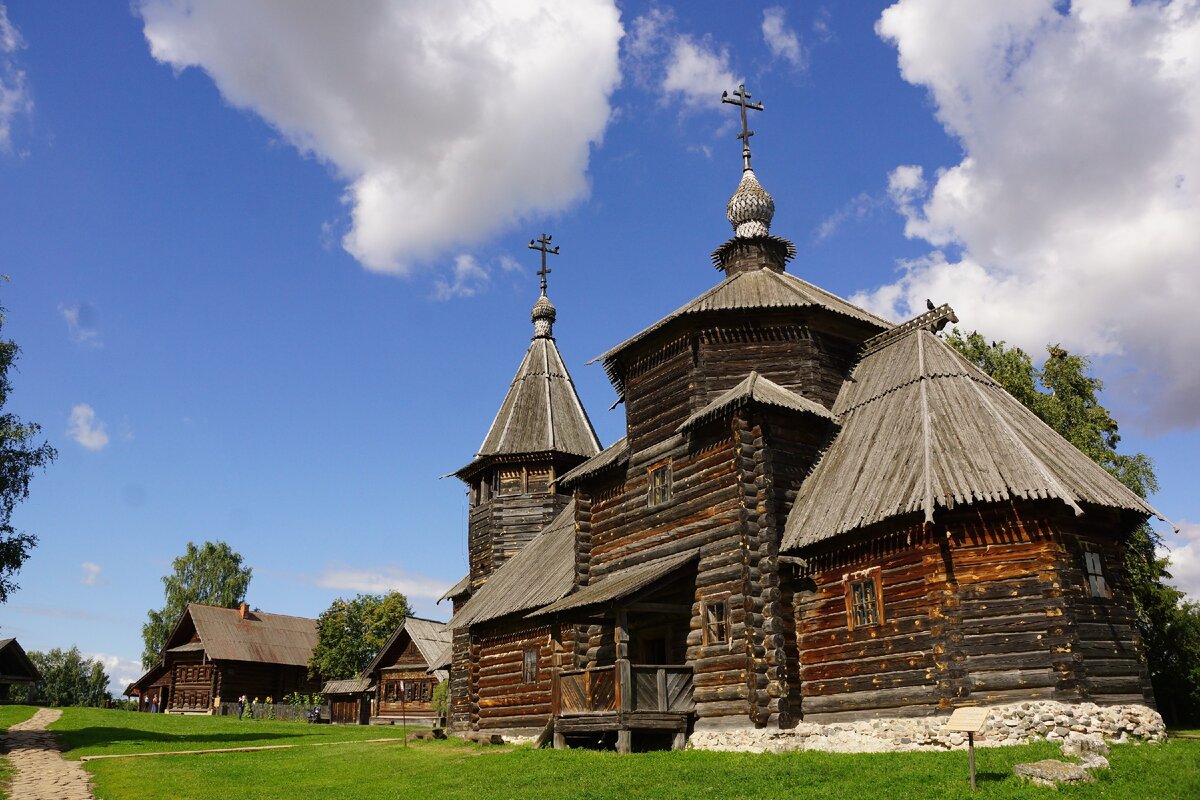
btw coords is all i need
(624, 686)
(658, 687)
(586, 691)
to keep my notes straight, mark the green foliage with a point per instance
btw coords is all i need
(301, 699)
(441, 699)
(351, 632)
(212, 574)
(1066, 397)
(21, 454)
(68, 679)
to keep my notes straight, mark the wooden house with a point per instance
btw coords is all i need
(15, 667)
(814, 514)
(221, 654)
(404, 673)
(349, 700)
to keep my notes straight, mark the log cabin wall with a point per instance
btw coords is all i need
(253, 679)
(511, 503)
(460, 680)
(505, 699)
(782, 347)
(985, 607)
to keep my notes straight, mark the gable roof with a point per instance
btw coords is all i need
(922, 428)
(462, 586)
(541, 413)
(540, 573)
(758, 288)
(347, 686)
(15, 664)
(430, 637)
(754, 388)
(261, 637)
(621, 583)
(615, 454)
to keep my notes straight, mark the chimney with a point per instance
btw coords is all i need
(244, 610)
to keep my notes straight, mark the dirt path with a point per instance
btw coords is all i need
(39, 770)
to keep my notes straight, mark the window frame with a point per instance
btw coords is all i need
(715, 626)
(531, 656)
(1095, 581)
(872, 577)
(665, 489)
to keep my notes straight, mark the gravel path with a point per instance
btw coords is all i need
(40, 771)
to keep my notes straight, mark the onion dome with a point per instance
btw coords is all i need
(751, 208)
(543, 315)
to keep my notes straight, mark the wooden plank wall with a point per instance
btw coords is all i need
(988, 607)
(503, 699)
(500, 527)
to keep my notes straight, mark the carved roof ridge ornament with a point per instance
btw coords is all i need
(751, 208)
(543, 313)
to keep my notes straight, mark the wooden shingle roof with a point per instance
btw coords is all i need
(262, 637)
(619, 584)
(922, 428)
(614, 455)
(540, 573)
(15, 665)
(431, 638)
(755, 389)
(541, 413)
(753, 289)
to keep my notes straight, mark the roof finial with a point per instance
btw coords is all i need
(739, 98)
(543, 310)
(543, 244)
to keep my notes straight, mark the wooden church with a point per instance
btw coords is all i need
(814, 515)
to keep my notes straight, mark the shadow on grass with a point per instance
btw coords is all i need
(101, 735)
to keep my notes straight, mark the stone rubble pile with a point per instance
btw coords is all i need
(1015, 723)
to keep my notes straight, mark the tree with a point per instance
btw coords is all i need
(1066, 397)
(211, 574)
(351, 632)
(68, 679)
(20, 455)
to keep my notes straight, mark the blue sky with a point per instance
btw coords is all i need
(268, 266)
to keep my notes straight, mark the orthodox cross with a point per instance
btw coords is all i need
(543, 244)
(739, 97)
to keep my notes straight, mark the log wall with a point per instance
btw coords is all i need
(499, 527)
(984, 608)
(502, 699)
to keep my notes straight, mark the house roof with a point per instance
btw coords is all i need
(261, 637)
(151, 677)
(430, 637)
(461, 587)
(755, 389)
(541, 413)
(15, 665)
(752, 289)
(348, 686)
(922, 428)
(621, 583)
(540, 573)
(615, 454)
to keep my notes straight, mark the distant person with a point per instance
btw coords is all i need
(241, 706)
(153, 704)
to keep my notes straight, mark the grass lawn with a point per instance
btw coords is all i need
(95, 731)
(450, 769)
(10, 715)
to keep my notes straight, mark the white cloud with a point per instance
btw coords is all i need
(698, 71)
(384, 579)
(449, 121)
(510, 264)
(85, 429)
(1074, 214)
(782, 41)
(468, 279)
(1183, 551)
(859, 207)
(91, 573)
(82, 324)
(121, 671)
(14, 86)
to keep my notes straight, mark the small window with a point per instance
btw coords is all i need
(716, 622)
(1093, 568)
(659, 486)
(864, 599)
(530, 671)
